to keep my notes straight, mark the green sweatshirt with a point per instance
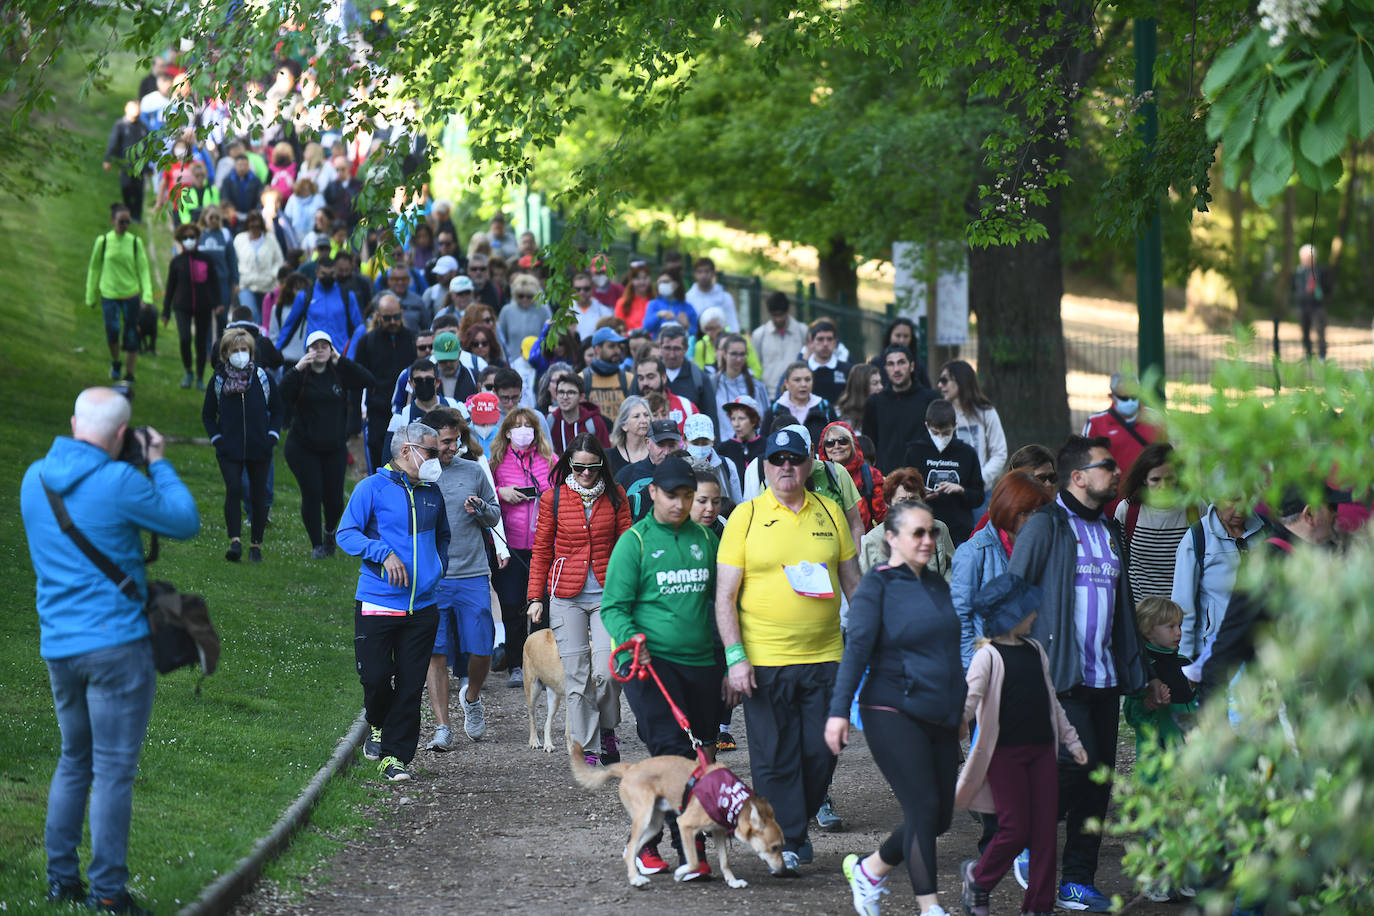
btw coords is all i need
(661, 582)
(118, 269)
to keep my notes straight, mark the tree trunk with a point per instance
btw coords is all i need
(1016, 293)
(1239, 275)
(1287, 257)
(838, 274)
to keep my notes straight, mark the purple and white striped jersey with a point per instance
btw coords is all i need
(1096, 576)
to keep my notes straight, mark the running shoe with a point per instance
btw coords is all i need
(62, 892)
(319, 553)
(791, 868)
(703, 869)
(726, 742)
(806, 853)
(936, 910)
(474, 715)
(393, 770)
(975, 898)
(119, 903)
(517, 677)
(827, 819)
(649, 862)
(187, 380)
(235, 551)
(443, 740)
(610, 747)
(867, 892)
(592, 760)
(1021, 869)
(372, 744)
(255, 554)
(1074, 896)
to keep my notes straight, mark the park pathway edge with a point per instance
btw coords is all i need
(221, 895)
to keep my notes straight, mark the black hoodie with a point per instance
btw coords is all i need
(958, 463)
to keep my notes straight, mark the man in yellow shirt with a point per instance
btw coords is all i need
(785, 558)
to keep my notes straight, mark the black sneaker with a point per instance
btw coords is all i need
(975, 898)
(319, 553)
(610, 747)
(329, 543)
(120, 903)
(255, 554)
(129, 377)
(372, 744)
(235, 551)
(393, 770)
(115, 368)
(498, 658)
(59, 892)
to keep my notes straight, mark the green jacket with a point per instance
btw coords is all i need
(661, 582)
(118, 269)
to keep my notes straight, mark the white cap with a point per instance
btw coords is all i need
(445, 265)
(698, 426)
(460, 284)
(318, 335)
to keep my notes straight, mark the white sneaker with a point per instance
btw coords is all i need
(867, 893)
(936, 910)
(474, 716)
(443, 740)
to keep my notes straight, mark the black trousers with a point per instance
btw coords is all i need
(131, 191)
(378, 416)
(696, 691)
(393, 658)
(510, 584)
(920, 761)
(1312, 317)
(320, 476)
(1094, 712)
(232, 472)
(201, 325)
(788, 757)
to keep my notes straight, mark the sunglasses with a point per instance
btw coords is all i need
(524, 297)
(921, 534)
(943, 380)
(786, 458)
(122, 222)
(479, 342)
(391, 317)
(582, 289)
(1107, 463)
(1050, 478)
(424, 348)
(585, 468)
(835, 443)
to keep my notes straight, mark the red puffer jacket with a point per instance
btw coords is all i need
(579, 541)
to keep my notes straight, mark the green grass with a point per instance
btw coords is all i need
(218, 768)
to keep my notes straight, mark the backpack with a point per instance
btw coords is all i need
(137, 241)
(605, 391)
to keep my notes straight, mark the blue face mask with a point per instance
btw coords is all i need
(699, 452)
(1128, 407)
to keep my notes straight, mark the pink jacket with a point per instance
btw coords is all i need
(985, 676)
(521, 469)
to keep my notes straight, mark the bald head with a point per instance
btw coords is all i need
(100, 418)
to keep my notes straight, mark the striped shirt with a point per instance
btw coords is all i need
(1154, 549)
(1096, 575)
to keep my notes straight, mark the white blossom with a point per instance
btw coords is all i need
(1280, 17)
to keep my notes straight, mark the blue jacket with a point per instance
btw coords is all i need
(243, 427)
(904, 631)
(977, 561)
(326, 311)
(653, 323)
(79, 609)
(387, 514)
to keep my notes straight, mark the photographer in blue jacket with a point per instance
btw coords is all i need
(93, 635)
(396, 523)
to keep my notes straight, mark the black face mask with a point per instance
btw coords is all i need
(327, 282)
(424, 388)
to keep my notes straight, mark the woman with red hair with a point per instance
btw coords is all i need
(984, 556)
(838, 445)
(635, 300)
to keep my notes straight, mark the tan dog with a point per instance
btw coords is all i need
(543, 670)
(651, 788)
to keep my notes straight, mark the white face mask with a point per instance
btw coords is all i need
(699, 452)
(522, 437)
(601, 281)
(941, 442)
(1128, 407)
(429, 469)
(665, 290)
(179, 152)
(239, 360)
(188, 244)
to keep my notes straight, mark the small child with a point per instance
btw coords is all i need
(1012, 766)
(1160, 725)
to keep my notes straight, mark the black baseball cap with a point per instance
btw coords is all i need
(664, 431)
(674, 473)
(1295, 499)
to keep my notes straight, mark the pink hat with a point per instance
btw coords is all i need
(484, 407)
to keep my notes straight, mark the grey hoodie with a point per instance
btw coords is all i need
(467, 550)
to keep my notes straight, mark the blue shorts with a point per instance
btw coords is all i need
(115, 310)
(465, 621)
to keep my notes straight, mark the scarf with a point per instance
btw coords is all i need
(589, 496)
(236, 381)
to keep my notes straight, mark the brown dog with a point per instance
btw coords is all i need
(543, 671)
(651, 788)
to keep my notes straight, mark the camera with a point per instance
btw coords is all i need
(135, 447)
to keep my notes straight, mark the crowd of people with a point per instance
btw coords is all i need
(820, 538)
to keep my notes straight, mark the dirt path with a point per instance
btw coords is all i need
(497, 827)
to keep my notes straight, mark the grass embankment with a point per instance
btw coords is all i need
(218, 768)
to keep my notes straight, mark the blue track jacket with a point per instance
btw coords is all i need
(387, 514)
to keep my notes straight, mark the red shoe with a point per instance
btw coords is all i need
(649, 862)
(702, 872)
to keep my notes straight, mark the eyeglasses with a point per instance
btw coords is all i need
(445, 243)
(568, 393)
(585, 468)
(921, 534)
(477, 270)
(525, 297)
(786, 458)
(1108, 463)
(429, 452)
(478, 342)
(1048, 479)
(835, 443)
(582, 289)
(391, 317)
(943, 380)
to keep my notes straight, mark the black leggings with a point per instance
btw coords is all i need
(919, 760)
(232, 472)
(320, 476)
(510, 584)
(186, 322)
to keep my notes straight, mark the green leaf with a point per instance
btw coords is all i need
(1354, 108)
(1242, 126)
(1319, 177)
(1273, 167)
(1228, 63)
(1321, 140)
(1280, 110)
(1325, 79)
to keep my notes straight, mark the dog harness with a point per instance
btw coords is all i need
(721, 793)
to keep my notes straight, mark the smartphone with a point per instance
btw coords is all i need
(529, 492)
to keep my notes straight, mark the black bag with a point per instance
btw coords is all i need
(178, 624)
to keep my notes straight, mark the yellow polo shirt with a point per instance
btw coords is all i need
(777, 625)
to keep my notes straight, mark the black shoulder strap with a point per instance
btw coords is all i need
(123, 581)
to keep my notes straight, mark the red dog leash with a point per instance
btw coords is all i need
(642, 669)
